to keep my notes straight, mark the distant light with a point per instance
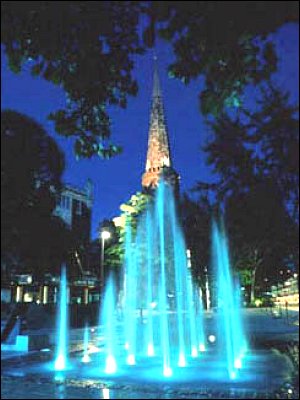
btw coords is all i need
(167, 372)
(295, 275)
(126, 346)
(105, 235)
(45, 350)
(150, 351)
(29, 279)
(130, 359)
(258, 302)
(211, 338)
(92, 330)
(153, 304)
(60, 363)
(105, 393)
(111, 366)
(201, 347)
(290, 391)
(238, 363)
(86, 358)
(181, 362)
(194, 352)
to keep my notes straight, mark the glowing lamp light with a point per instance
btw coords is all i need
(105, 235)
(181, 362)
(126, 346)
(92, 330)
(201, 347)
(238, 363)
(150, 350)
(167, 372)
(194, 352)
(111, 366)
(211, 338)
(60, 363)
(86, 358)
(131, 359)
(153, 304)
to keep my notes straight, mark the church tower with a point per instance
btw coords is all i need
(159, 162)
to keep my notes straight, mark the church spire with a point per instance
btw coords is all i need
(158, 154)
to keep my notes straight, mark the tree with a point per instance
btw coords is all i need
(261, 232)
(31, 167)
(274, 131)
(225, 42)
(252, 147)
(131, 210)
(195, 218)
(87, 48)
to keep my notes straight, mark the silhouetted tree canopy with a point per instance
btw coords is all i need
(87, 48)
(254, 146)
(31, 167)
(262, 235)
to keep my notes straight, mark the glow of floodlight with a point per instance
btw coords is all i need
(111, 366)
(181, 361)
(150, 350)
(60, 363)
(130, 359)
(201, 347)
(167, 372)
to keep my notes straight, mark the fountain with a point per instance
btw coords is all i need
(162, 306)
(228, 302)
(162, 334)
(86, 358)
(61, 360)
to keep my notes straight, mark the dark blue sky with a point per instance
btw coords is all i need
(117, 179)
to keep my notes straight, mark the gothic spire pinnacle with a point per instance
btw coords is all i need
(156, 84)
(158, 154)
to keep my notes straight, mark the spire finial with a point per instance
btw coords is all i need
(156, 85)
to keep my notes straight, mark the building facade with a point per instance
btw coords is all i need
(74, 207)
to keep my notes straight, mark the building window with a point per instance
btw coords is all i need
(79, 208)
(65, 202)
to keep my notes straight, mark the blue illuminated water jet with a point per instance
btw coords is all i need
(162, 306)
(161, 319)
(108, 321)
(232, 339)
(61, 360)
(86, 358)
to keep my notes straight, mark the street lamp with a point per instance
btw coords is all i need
(104, 235)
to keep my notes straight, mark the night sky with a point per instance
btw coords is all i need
(117, 179)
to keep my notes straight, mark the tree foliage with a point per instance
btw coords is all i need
(87, 48)
(256, 146)
(261, 232)
(83, 46)
(195, 218)
(31, 167)
(130, 212)
(226, 42)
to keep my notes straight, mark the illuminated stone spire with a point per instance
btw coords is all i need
(158, 155)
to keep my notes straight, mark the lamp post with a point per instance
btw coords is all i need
(104, 235)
